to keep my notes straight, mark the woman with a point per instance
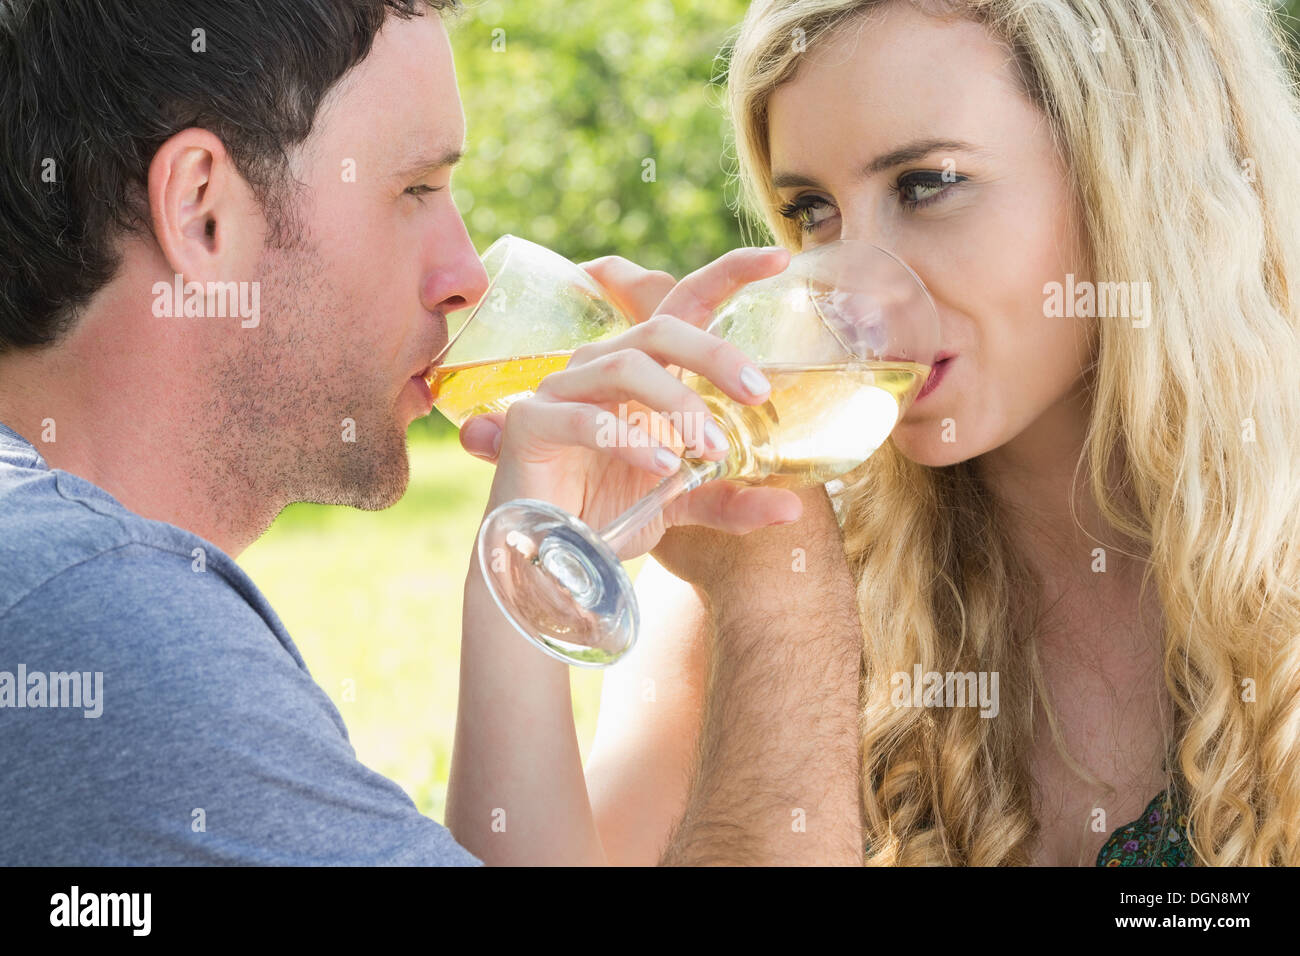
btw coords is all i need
(1098, 504)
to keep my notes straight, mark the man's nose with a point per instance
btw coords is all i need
(458, 278)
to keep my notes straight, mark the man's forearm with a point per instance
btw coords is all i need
(778, 775)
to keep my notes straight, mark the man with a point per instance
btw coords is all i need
(229, 250)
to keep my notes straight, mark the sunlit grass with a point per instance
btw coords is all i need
(374, 598)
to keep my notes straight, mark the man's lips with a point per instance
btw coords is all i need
(422, 381)
(438, 354)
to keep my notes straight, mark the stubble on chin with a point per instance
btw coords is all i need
(292, 417)
(373, 477)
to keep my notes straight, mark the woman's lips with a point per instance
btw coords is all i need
(936, 376)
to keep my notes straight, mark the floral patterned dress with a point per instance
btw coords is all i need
(1157, 838)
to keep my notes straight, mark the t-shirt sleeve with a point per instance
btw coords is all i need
(212, 744)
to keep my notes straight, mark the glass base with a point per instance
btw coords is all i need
(558, 583)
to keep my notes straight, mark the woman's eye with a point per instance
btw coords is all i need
(920, 189)
(420, 190)
(808, 211)
(914, 190)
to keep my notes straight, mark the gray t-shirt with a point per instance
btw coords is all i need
(153, 709)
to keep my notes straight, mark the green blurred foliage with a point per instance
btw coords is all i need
(595, 128)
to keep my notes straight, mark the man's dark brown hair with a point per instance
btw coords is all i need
(90, 89)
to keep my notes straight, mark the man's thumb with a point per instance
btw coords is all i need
(481, 435)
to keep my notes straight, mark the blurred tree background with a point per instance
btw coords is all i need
(595, 127)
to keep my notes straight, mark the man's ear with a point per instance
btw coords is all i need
(197, 205)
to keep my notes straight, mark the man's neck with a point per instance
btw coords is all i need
(100, 405)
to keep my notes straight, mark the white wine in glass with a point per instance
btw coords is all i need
(537, 309)
(819, 422)
(846, 336)
(464, 389)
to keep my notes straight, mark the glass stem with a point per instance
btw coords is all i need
(692, 474)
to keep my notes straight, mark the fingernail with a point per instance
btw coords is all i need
(496, 443)
(714, 436)
(668, 462)
(754, 381)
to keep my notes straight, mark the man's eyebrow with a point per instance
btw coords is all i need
(425, 162)
(917, 149)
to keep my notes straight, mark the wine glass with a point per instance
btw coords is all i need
(537, 309)
(846, 336)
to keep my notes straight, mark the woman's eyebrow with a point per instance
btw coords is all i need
(910, 152)
(917, 149)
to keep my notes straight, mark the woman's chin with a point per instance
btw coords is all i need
(930, 451)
